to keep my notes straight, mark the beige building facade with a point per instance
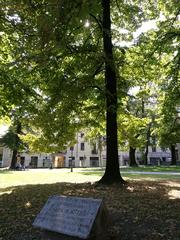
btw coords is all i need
(83, 154)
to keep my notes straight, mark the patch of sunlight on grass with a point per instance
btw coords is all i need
(17, 178)
(171, 184)
(151, 177)
(174, 194)
(28, 205)
(47, 176)
(152, 169)
(151, 188)
(6, 192)
(131, 189)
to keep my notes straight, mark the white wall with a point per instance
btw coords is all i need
(77, 152)
(41, 157)
(6, 157)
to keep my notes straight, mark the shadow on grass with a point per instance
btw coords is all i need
(7, 171)
(139, 210)
(92, 173)
(93, 169)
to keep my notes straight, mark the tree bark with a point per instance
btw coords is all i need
(100, 151)
(147, 144)
(173, 155)
(14, 159)
(132, 158)
(112, 172)
(16, 146)
(146, 154)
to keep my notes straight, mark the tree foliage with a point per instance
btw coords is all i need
(56, 54)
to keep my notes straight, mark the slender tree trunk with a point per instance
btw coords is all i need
(146, 154)
(100, 158)
(143, 107)
(147, 144)
(173, 155)
(112, 173)
(132, 158)
(16, 146)
(14, 159)
(100, 150)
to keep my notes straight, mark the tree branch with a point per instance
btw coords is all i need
(99, 22)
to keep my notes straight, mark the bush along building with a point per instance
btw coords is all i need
(83, 154)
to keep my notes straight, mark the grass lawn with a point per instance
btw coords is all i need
(41, 176)
(15, 178)
(141, 168)
(140, 210)
(152, 169)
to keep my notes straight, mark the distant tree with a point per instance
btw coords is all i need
(167, 42)
(132, 132)
(12, 141)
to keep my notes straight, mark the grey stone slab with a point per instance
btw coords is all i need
(72, 217)
(98, 232)
(48, 235)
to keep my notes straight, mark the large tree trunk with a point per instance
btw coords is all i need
(112, 173)
(173, 155)
(132, 158)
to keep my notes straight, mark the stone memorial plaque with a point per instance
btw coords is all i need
(72, 216)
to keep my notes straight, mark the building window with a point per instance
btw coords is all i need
(94, 149)
(71, 148)
(82, 146)
(82, 161)
(163, 149)
(153, 148)
(34, 162)
(94, 162)
(82, 135)
(72, 161)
